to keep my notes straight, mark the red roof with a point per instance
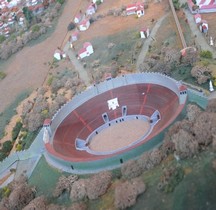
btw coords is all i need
(144, 29)
(182, 88)
(197, 16)
(84, 22)
(82, 50)
(47, 122)
(86, 44)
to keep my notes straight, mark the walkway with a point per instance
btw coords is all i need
(199, 37)
(147, 43)
(78, 66)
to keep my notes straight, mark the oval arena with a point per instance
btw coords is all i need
(113, 121)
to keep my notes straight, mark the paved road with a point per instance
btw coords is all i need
(148, 41)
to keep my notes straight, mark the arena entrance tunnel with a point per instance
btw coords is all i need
(130, 111)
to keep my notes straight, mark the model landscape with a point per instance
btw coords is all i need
(107, 104)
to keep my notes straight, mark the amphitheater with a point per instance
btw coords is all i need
(113, 121)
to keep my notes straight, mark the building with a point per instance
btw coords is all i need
(203, 26)
(137, 9)
(84, 25)
(144, 33)
(77, 18)
(91, 9)
(197, 18)
(87, 50)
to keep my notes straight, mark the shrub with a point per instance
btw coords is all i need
(50, 80)
(71, 26)
(7, 146)
(206, 54)
(16, 130)
(131, 169)
(60, 1)
(78, 190)
(127, 192)
(35, 28)
(98, 184)
(2, 75)
(2, 38)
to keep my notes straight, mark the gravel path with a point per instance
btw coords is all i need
(148, 41)
(119, 135)
(78, 66)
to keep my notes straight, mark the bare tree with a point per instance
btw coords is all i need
(193, 111)
(127, 192)
(38, 203)
(204, 128)
(78, 190)
(98, 184)
(64, 184)
(131, 169)
(211, 106)
(185, 144)
(201, 73)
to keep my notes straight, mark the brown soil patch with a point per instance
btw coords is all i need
(119, 135)
(111, 25)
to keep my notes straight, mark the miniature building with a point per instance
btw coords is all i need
(87, 50)
(59, 54)
(203, 26)
(84, 25)
(144, 33)
(197, 18)
(137, 9)
(77, 18)
(74, 36)
(91, 9)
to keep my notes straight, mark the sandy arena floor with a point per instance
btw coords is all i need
(119, 135)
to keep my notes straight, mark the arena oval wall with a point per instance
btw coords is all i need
(137, 92)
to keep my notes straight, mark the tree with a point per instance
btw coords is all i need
(201, 73)
(71, 26)
(131, 169)
(98, 184)
(206, 54)
(127, 192)
(64, 184)
(6, 147)
(38, 203)
(204, 128)
(185, 144)
(28, 14)
(193, 111)
(176, 4)
(78, 190)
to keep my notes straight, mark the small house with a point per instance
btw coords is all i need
(77, 18)
(137, 9)
(203, 26)
(87, 50)
(58, 54)
(74, 36)
(91, 9)
(95, 1)
(144, 33)
(197, 18)
(84, 25)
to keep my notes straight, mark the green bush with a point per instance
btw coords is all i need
(60, 1)
(206, 54)
(2, 38)
(50, 80)
(35, 28)
(2, 75)
(27, 141)
(2, 155)
(16, 130)
(7, 146)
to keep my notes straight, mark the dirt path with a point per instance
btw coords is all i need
(78, 66)
(27, 70)
(147, 42)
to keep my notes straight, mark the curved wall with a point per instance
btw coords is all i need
(141, 93)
